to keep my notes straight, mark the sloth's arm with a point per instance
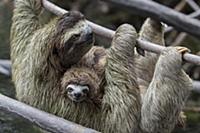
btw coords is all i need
(41, 47)
(166, 94)
(25, 22)
(151, 31)
(121, 101)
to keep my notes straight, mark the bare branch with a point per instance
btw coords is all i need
(193, 5)
(5, 67)
(42, 119)
(195, 14)
(179, 39)
(5, 71)
(196, 86)
(161, 13)
(5, 63)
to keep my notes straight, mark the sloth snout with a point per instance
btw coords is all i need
(77, 95)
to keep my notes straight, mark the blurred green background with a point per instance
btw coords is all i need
(111, 17)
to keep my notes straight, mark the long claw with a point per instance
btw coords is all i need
(182, 50)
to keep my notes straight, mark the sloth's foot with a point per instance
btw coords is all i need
(182, 50)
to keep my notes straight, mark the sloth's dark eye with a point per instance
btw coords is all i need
(85, 90)
(69, 89)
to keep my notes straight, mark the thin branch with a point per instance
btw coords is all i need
(5, 71)
(5, 67)
(179, 39)
(161, 13)
(195, 14)
(193, 5)
(196, 86)
(5, 63)
(42, 119)
(180, 5)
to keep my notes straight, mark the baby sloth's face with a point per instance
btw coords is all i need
(77, 93)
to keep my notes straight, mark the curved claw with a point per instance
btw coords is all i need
(182, 50)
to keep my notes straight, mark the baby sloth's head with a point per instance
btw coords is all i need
(81, 85)
(77, 93)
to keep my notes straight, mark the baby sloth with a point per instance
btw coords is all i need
(82, 85)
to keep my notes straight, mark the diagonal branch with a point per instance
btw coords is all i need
(162, 13)
(42, 119)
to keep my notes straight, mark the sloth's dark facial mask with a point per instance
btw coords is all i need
(78, 45)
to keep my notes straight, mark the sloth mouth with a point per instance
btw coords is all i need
(75, 99)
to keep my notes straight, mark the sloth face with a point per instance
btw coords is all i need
(73, 38)
(77, 93)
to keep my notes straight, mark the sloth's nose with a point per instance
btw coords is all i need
(77, 95)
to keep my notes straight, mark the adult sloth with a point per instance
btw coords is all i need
(42, 57)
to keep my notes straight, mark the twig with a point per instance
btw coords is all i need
(5, 63)
(42, 119)
(107, 33)
(5, 67)
(195, 14)
(179, 39)
(180, 5)
(5, 71)
(196, 86)
(193, 5)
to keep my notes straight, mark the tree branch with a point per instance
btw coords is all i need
(107, 33)
(161, 13)
(196, 86)
(193, 5)
(5, 67)
(42, 119)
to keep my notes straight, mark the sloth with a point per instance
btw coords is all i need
(153, 31)
(57, 69)
(43, 55)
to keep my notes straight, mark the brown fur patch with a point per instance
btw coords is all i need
(68, 20)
